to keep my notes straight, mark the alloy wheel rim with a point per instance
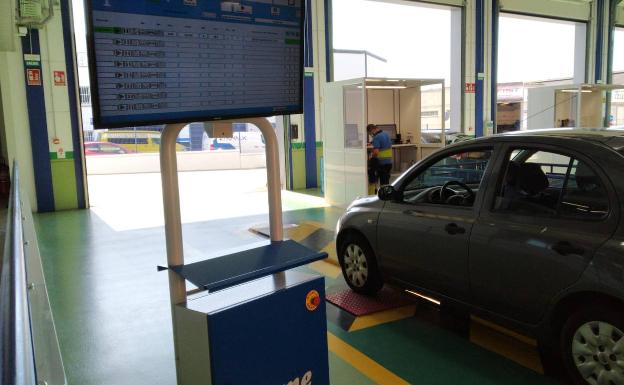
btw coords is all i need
(356, 267)
(598, 353)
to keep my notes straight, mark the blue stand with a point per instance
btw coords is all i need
(258, 324)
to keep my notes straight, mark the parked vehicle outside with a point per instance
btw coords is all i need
(220, 144)
(104, 148)
(136, 141)
(524, 228)
(249, 142)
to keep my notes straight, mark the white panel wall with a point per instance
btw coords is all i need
(7, 26)
(333, 144)
(15, 116)
(541, 112)
(410, 114)
(380, 106)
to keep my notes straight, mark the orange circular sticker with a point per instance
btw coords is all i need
(313, 300)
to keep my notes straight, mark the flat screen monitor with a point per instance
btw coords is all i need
(176, 61)
(390, 129)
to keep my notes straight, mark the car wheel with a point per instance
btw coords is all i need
(359, 265)
(592, 342)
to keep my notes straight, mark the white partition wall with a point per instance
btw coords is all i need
(350, 106)
(580, 106)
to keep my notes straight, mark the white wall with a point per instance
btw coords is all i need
(15, 118)
(187, 161)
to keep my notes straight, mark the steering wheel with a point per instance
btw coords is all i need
(446, 194)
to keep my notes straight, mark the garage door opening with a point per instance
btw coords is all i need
(616, 117)
(534, 53)
(400, 39)
(221, 176)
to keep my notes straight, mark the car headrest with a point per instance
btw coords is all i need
(586, 179)
(531, 178)
(511, 178)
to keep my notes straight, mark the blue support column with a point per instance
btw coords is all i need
(479, 68)
(38, 124)
(309, 129)
(600, 19)
(309, 111)
(74, 109)
(329, 45)
(494, 62)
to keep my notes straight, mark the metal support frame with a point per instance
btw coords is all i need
(171, 202)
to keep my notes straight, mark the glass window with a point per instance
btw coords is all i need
(461, 173)
(365, 43)
(550, 184)
(585, 197)
(534, 52)
(616, 117)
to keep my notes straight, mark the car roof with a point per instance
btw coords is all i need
(611, 137)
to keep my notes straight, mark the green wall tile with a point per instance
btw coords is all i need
(64, 184)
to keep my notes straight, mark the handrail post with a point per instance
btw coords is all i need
(17, 363)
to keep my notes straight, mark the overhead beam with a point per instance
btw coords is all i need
(559, 9)
(619, 14)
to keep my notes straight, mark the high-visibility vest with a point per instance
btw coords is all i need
(385, 154)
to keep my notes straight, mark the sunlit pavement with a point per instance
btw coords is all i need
(134, 201)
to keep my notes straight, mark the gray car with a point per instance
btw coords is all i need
(525, 229)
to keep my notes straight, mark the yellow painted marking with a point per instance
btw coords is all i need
(326, 268)
(511, 345)
(363, 363)
(301, 232)
(330, 249)
(383, 317)
(500, 329)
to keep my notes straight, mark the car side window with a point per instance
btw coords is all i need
(462, 168)
(585, 196)
(547, 183)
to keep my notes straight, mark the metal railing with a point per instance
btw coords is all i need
(16, 343)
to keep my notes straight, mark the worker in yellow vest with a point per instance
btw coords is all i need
(380, 158)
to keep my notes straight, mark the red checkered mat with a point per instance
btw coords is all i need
(360, 305)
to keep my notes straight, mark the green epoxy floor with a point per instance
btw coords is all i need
(112, 313)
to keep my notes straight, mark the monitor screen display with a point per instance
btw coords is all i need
(154, 62)
(390, 129)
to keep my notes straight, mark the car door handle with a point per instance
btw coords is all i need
(453, 228)
(566, 248)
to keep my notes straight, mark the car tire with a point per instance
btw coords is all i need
(359, 265)
(592, 345)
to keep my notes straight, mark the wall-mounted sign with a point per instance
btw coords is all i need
(59, 78)
(33, 76)
(33, 69)
(471, 88)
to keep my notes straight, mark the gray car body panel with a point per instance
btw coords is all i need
(600, 274)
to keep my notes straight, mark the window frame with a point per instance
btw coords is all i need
(506, 151)
(413, 173)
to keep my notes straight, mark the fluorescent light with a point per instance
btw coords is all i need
(423, 297)
(577, 91)
(385, 87)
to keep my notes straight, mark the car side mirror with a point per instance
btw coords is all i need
(387, 193)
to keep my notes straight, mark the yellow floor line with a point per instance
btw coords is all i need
(500, 329)
(363, 363)
(382, 317)
(330, 249)
(301, 232)
(326, 268)
(520, 350)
